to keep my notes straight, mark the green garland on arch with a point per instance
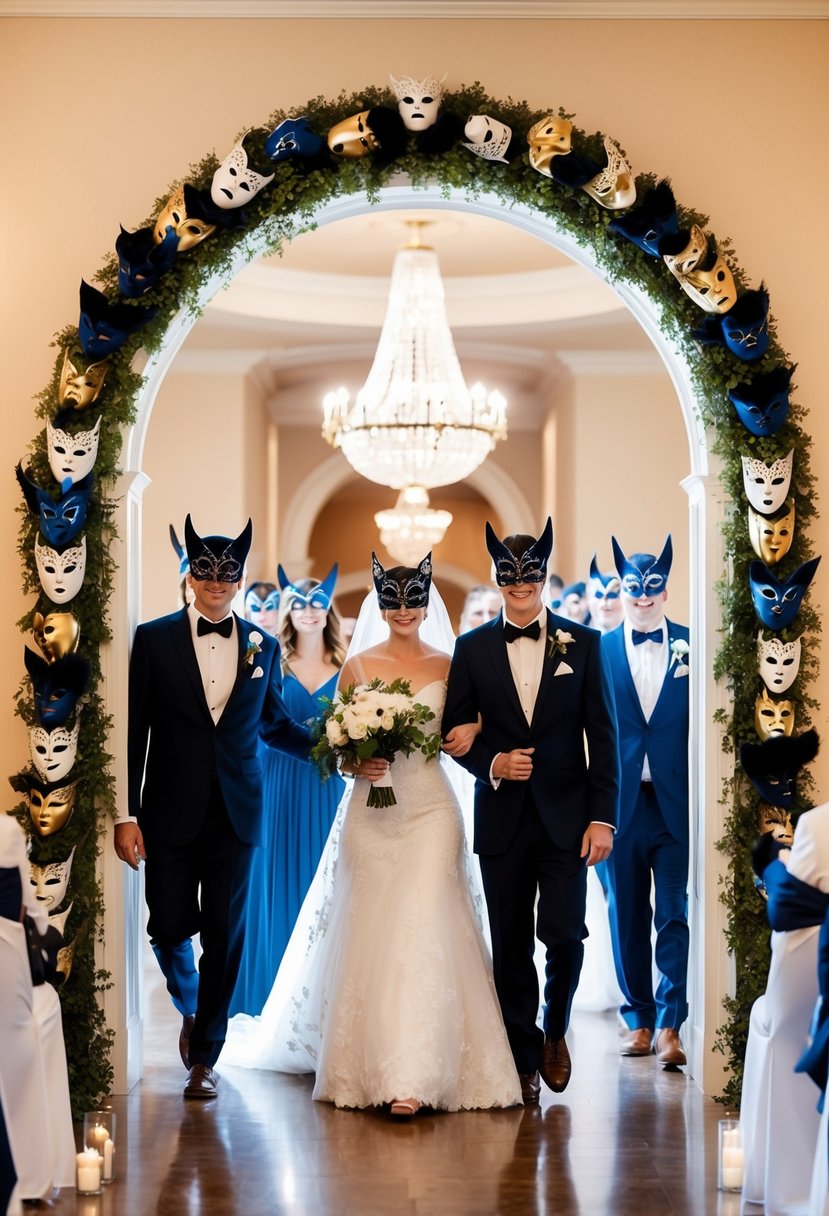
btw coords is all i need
(280, 212)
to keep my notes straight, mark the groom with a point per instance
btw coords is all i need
(543, 812)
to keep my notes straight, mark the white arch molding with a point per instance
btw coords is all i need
(710, 976)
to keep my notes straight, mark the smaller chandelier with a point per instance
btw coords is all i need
(415, 422)
(411, 528)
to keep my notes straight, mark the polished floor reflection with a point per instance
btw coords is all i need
(626, 1138)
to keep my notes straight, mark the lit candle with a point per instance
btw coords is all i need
(88, 1173)
(98, 1135)
(109, 1149)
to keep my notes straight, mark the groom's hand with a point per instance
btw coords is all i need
(597, 843)
(516, 765)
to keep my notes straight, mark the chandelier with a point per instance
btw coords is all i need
(415, 424)
(411, 528)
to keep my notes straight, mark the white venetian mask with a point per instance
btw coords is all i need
(61, 574)
(54, 751)
(779, 662)
(767, 485)
(71, 457)
(418, 101)
(50, 881)
(234, 184)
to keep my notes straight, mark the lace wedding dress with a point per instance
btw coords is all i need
(386, 988)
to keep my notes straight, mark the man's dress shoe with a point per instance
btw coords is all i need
(202, 1083)
(638, 1042)
(187, 1023)
(669, 1050)
(530, 1087)
(555, 1064)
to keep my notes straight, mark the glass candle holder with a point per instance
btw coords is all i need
(99, 1134)
(88, 1165)
(729, 1156)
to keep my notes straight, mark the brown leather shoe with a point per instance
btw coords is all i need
(202, 1083)
(530, 1087)
(187, 1023)
(669, 1049)
(555, 1064)
(638, 1042)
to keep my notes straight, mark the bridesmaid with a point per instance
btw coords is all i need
(299, 807)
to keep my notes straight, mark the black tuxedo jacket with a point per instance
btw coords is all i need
(175, 749)
(573, 707)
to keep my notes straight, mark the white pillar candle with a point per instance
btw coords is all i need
(109, 1149)
(88, 1174)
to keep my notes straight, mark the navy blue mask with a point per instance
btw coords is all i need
(772, 767)
(293, 137)
(141, 262)
(56, 686)
(744, 330)
(603, 586)
(777, 603)
(643, 575)
(653, 218)
(409, 592)
(254, 605)
(319, 596)
(530, 567)
(217, 559)
(62, 519)
(104, 327)
(762, 404)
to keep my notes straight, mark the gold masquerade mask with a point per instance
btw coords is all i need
(776, 820)
(771, 536)
(50, 812)
(353, 138)
(548, 138)
(57, 634)
(173, 214)
(81, 388)
(773, 718)
(613, 188)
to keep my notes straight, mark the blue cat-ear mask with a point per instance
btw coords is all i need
(762, 404)
(777, 602)
(642, 574)
(62, 519)
(319, 596)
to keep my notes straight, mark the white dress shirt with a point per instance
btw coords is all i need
(218, 660)
(648, 663)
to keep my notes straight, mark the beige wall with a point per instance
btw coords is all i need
(100, 117)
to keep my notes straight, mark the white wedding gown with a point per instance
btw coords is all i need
(386, 988)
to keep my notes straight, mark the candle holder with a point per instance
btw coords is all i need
(88, 1172)
(99, 1134)
(729, 1156)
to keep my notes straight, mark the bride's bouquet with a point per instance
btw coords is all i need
(372, 720)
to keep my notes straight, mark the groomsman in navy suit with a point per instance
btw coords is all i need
(204, 685)
(543, 810)
(648, 660)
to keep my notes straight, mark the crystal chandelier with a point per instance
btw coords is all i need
(415, 423)
(411, 528)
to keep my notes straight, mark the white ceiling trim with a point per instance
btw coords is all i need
(331, 10)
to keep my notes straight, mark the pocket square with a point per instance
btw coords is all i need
(563, 669)
(681, 671)
(257, 673)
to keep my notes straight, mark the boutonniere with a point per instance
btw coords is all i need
(253, 648)
(558, 643)
(679, 656)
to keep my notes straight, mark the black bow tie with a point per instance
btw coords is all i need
(511, 632)
(639, 637)
(225, 627)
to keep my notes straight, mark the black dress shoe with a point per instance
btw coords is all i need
(202, 1083)
(530, 1087)
(555, 1064)
(187, 1023)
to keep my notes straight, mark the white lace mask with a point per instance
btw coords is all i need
(61, 574)
(54, 751)
(779, 662)
(71, 457)
(50, 881)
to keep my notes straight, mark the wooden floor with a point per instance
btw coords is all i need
(626, 1139)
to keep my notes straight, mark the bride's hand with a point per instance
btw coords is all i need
(371, 769)
(459, 739)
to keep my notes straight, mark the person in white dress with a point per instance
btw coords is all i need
(394, 1004)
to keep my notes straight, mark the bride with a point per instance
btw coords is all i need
(387, 994)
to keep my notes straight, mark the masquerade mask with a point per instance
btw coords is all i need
(767, 485)
(142, 260)
(71, 457)
(743, 330)
(702, 274)
(773, 766)
(56, 686)
(58, 921)
(771, 538)
(317, 597)
(189, 229)
(647, 224)
(61, 520)
(234, 184)
(778, 662)
(488, 138)
(530, 567)
(602, 586)
(50, 809)
(772, 717)
(418, 101)
(50, 881)
(61, 574)
(410, 592)
(293, 137)
(777, 821)
(643, 576)
(683, 251)
(762, 404)
(104, 327)
(217, 559)
(778, 603)
(367, 133)
(613, 188)
(54, 751)
(255, 605)
(81, 388)
(183, 559)
(57, 634)
(548, 138)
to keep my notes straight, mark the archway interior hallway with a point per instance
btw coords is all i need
(627, 1137)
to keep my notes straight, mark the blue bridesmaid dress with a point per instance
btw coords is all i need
(299, 809)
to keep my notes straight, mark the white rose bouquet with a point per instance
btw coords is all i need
(372, 720)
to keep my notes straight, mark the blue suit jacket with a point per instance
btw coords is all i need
(664, 737)
(170, 728)
(570, 706)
